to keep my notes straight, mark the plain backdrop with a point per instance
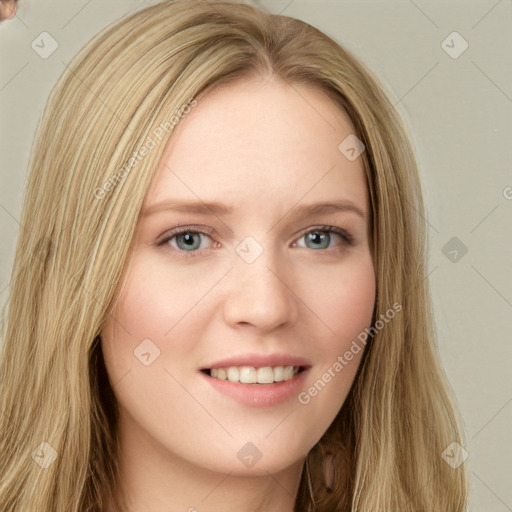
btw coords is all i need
(456, 102)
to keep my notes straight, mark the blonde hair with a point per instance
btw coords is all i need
(122, 86)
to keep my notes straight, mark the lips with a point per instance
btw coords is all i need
(258, 380)
(260, 360)
(258, 395)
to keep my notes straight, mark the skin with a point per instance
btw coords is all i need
(263, 148)
(8, 9)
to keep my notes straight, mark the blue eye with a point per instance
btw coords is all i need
(188, 239)
(189, 242)
(324, 234)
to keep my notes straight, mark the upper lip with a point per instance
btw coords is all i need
(260, 360)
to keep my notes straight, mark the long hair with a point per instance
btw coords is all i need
(89, 173)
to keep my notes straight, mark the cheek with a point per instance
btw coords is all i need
(140, 313)
(342, 300)
(154, 299)
(161, 302)
(150, 325)
(344, 307)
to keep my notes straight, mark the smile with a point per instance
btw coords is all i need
(267, 386)
(252, 375)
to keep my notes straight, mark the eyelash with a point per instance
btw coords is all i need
(347, 239)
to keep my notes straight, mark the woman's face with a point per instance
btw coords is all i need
(255, 290)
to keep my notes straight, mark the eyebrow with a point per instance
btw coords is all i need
(219, 209)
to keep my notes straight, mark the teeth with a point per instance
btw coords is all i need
(251, 375)
(248, 375)
(233, 374)
(288, 372)
(265, 375)
(278, 374)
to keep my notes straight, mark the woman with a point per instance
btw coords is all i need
(257, 370)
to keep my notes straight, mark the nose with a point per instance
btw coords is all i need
(260, 293)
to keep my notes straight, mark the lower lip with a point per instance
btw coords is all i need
(259, 395)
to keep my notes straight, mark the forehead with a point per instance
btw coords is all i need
(260, 143)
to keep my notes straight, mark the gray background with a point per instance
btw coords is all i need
(459, 112)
